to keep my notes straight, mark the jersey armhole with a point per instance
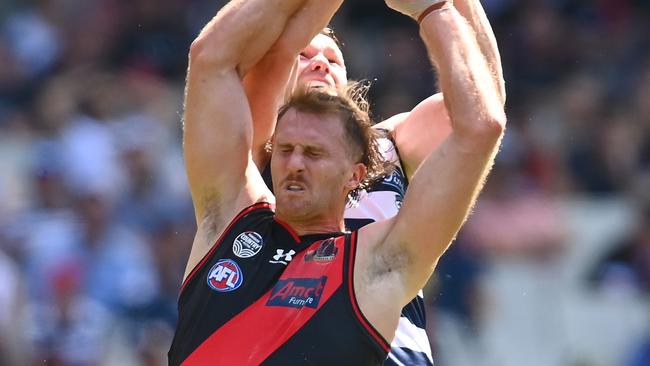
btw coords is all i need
(399, 159)
(399, 163)
(242, 213)
(370, 329)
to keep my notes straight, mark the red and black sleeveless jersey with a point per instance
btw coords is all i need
(263, 295)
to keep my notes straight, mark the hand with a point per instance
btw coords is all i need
(416, 9)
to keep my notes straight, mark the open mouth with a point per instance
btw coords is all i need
(294, 188)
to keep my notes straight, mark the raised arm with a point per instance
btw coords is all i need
(418, 132)
(271, 81)
(218, 129)
(473, 12)
(406, 249)
(267, 85)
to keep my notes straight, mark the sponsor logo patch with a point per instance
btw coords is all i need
(247, 244)
(326, 252)
(225, 276)
(282, 257)
(297, 292)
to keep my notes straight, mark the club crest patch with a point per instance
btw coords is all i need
(297, 292)
(225, 276)
(326, 252)
(247, 244)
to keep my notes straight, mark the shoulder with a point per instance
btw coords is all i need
(211, 230)
(389, 125)
(214, 224)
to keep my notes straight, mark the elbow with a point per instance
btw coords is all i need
(491, 127)
(485, 131)
(207, 51)
(203, 54)
(495, 124)
(198, 49)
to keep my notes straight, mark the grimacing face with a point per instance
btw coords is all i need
(312, 168)
(321, 64)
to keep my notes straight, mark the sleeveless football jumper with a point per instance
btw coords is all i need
(381, 201)
(264, 296)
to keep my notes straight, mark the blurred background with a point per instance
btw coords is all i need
(96, 223)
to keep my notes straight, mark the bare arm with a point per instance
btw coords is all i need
(267, 85)
(271, 80)
(473, 12)
(420, 131)
(443, 191)
(218, 130)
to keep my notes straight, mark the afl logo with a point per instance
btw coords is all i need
(247, 244)
(225, 276)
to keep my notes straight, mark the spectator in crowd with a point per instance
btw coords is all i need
(627, 265)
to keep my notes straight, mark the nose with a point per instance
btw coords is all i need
(320, 63)
(296, 163)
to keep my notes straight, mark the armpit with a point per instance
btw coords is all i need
(389, 261)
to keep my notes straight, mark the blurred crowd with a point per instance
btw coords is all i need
(96, 220)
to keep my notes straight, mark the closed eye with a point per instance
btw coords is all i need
(285, 148)
(314, 153)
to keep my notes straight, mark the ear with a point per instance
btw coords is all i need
(358, 174)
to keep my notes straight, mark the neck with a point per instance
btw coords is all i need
(314, 226)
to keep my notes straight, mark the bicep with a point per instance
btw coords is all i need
(270, 82)
(217, 138)
(420, 131)
(436, 204)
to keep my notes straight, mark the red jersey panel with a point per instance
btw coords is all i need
(266, 296)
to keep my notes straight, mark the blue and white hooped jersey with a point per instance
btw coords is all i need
(379, 202)
(384, 198)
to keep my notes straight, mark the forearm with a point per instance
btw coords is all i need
(269, 83)
(218, 127)
(470, 95)
(419, 132)
(428, 124)
(445, 186)
(473, 12)
(266, 87)
(242, 32)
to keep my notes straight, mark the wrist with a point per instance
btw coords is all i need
(417, 9)
(431, 9)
